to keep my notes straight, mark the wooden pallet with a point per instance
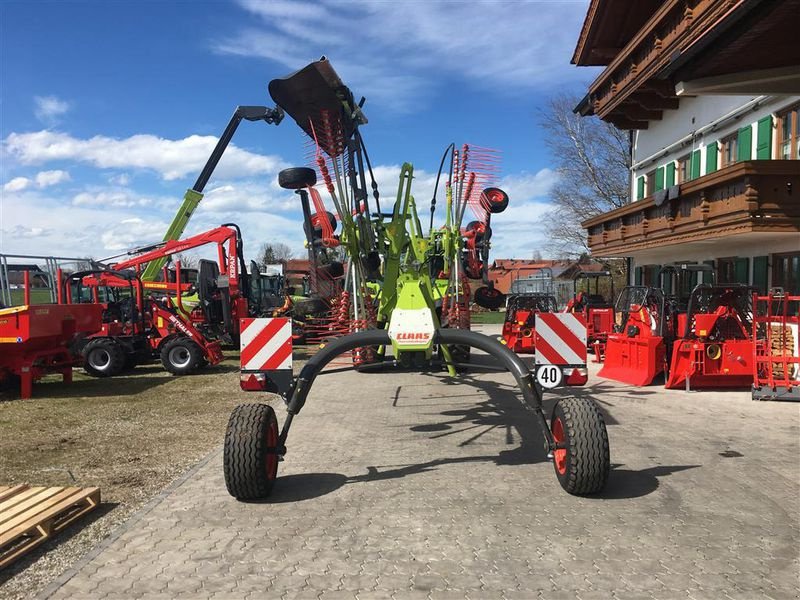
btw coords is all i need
(32, 515)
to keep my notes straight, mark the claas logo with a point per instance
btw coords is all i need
(413, 337)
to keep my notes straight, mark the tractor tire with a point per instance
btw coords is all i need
(297, 178)
(103, 357)
(181, 355)
(250, 459)
(582, 466)
(496, 200)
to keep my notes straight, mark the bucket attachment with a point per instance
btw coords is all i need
(633, 360)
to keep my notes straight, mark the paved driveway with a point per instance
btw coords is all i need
(408, 486)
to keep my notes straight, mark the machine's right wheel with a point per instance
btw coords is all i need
(103, 357)
(250, 457)
(583, 462)
(181, 356)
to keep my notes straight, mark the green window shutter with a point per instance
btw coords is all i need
(637, 276)
(651, 275)
(741, 268)
(744, 145)
(708, 277)
(695, 165)
(711, 158)
(659, 185)
(640, 188)
(760, 266)
(764, 139)
(670, 176)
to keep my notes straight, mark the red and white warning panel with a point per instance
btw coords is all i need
(561, 341)
(265, 356)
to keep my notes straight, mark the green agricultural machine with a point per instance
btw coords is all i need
(404, 292)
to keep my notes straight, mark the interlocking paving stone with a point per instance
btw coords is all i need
(407, 486)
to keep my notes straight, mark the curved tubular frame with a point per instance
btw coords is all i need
(531, 395)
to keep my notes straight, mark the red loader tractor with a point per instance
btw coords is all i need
(136, 328)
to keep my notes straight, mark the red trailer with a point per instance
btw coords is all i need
(36, 340)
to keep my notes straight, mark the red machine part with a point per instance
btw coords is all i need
(599, 322)
(158, 324)
(713, 346)
(776, 360)
(702, 362)
(228, 244)
(36, 340)
(519, 327)
(636, 356)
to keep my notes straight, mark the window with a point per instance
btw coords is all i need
(651, 183)
(789, 134)
(729, 150)
(733, 270)
(684, 168)
(786, 272)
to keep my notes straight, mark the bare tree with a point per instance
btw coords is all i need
(274, 252)
(592, 159)
(188, 261)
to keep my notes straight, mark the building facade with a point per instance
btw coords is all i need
(715, 141)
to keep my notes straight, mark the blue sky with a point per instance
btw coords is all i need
(109, 109)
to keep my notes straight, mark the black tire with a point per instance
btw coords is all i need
(297, 178)
(496, 200)
(181, 355)
(250, 459)
(103, 357)
(483, 233)
(582, 466)
(489, 298)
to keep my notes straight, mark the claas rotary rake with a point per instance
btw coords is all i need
(404, 298)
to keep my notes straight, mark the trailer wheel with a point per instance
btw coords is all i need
(250, 458)
(583, 463)
(181, 356)
(297, 178)
(103, 357)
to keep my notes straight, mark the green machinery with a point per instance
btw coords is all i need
(194, 195)
(402, 288)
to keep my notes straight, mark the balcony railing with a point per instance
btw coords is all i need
(751, 196)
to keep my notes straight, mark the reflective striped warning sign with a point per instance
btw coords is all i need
(560, 339)
(266, 344)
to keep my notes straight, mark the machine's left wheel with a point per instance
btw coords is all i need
(250, 457)
(583, 462)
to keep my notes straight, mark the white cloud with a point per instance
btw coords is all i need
(111, 198)
(17, 184)
(42, 179)
(172, 159)
(48, 178)
(515, 47)
(49, 109)
(132, 232)
(20, 231)
(122, 179)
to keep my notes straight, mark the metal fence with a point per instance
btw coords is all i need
(44, 277)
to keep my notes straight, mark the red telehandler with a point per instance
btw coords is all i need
(223, 287)
(135, 327)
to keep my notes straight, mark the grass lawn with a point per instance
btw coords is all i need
(488, 317)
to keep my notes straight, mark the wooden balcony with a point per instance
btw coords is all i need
(748, 197)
